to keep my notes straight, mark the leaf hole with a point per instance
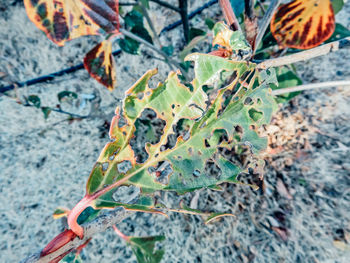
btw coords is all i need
(140, 95)
(162, 172)
(196, 173)
(124, 166)
(248, 101)
(105, 166)
(126, 194)
(255, 115)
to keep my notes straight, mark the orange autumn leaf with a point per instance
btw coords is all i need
(63, 20)
(303, 24)
(99, 62)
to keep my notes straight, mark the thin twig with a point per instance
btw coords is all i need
(328, 84)
(167, 58)
(265, 22)
(150, 23)
(250, 22)
(127, 4)
(73, 115)
(230, 16)
(305, 55)
(98, 225)
(183, 5)
(165, 4)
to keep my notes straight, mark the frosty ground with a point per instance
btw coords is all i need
(302, 215)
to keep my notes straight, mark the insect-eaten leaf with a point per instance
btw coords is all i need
(202, 142)
(303, 24)
(63, 20)
(100, 64)
(144, 248)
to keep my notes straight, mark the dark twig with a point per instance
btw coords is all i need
(183, 5)
(265, 22)
(250, 22)
(167, 5)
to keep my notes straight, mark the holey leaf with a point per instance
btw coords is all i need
(100, 64)
(303, 24)
(63, 20)
(216, 142)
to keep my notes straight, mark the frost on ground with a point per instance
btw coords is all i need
(301, 213)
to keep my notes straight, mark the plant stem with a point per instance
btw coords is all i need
(119, 233)
(127, 4)
(150, 23)
(230, 16)
(305, 55)
(183, 5)
(167, 58)
(98, 225)
(249, 8)
(165, 4)
(250, 22)
(327, 84)
(265, 22)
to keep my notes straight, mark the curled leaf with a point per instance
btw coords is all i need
(60, 212)
(100, 64)
(303, 24)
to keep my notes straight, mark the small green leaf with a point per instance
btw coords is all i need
(133, 18)
(210, 23)
(144, 248)
(286, 78)
(63, 95)
(215, 216)
(72, 258)
(142, 32)
(129, 45)
(195, 32)
(339, 33)
(34, 100)
(87, 215)
(169, 50)
(337, 5)
(46, 111)
(145, 3)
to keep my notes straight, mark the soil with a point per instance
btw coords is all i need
(300, 215)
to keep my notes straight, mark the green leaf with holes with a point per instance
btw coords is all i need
(198, 135)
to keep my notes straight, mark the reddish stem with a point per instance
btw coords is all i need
(119, 233)
(74, 214)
